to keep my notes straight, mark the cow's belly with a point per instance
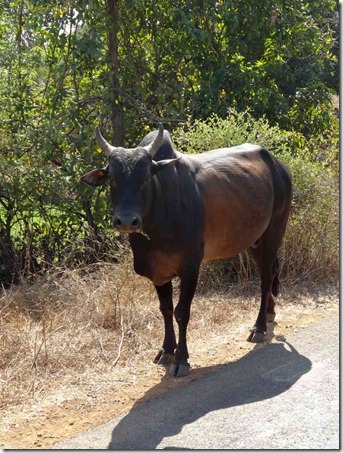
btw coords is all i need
(224, 244)
(233, 231)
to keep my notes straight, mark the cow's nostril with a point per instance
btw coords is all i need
(117, 221)
(127, 222)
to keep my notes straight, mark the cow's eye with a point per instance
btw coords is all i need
(113, 182)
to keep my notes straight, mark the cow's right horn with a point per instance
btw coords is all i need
(103, 144)
(154, 146)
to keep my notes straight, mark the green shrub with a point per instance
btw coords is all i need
(311, 243)
(237, 128)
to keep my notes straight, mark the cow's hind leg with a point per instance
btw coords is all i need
(165, 295)
(259, 330)
(265, 256)
(275, 292)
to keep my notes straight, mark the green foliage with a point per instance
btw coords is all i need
(239, 127)
(202, 58)
(311, 244)
(199, 136)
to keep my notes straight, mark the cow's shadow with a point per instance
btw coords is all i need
(266, 372)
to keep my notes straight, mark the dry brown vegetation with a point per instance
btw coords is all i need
(89, 335)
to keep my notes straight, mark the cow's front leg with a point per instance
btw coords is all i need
(165, 295)
(189, 278)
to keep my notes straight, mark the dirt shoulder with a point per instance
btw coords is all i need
(69, 408)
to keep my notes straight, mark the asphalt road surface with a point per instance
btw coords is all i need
(282, 396)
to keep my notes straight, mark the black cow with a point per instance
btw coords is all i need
(180, 209)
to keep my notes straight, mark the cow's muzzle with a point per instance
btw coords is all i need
(127, 223)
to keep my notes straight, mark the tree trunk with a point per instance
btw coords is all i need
(117, 116)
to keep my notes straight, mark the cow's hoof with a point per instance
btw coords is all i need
(271, 317)
(256, 337)
(178, 369)
(163, 358)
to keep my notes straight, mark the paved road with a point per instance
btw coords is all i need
(281, 396)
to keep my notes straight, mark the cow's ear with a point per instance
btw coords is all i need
(95, 177)
(161, 164)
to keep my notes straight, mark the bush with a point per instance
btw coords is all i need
(311, 243)
(237, 128)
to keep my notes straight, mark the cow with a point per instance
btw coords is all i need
(181, 209)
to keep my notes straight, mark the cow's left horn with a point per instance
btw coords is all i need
(154, 146)
(103, 144)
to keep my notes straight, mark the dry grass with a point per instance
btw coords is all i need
(76, 333)
(68, 323)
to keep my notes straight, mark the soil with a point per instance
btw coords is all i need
(67, 411)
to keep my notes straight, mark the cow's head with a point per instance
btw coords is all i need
(130, 173)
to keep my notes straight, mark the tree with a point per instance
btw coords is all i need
(117, 116)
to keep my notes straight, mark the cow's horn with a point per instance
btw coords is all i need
(154, 146)
(103, 144)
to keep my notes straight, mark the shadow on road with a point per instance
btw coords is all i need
(262, 374)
